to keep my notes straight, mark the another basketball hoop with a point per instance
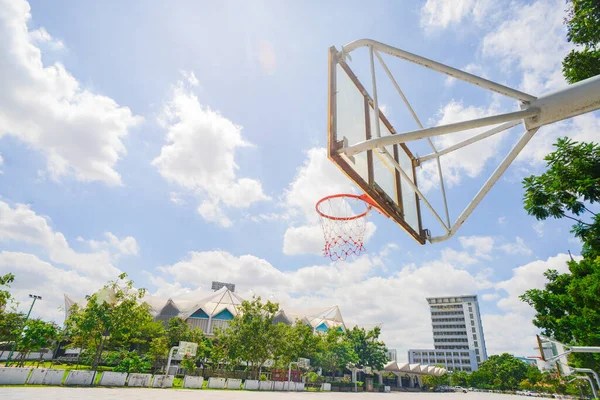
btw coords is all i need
(344, 223)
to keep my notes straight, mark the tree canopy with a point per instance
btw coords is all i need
(583, 24)
(370, 351)
(568, 308)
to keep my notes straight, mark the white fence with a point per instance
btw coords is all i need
(31, 356)
(47, 376)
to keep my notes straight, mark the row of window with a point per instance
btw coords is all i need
(449, 333)
(441, 354)
(447, 313)
(451, 340)
(447, 320)
(444, 326)
(445, 347)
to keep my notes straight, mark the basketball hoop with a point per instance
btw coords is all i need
(343, 225)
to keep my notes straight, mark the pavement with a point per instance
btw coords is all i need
(43, 393)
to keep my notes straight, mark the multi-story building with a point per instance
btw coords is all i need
(391, 355)
(458, 339)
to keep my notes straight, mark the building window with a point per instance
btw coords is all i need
(470, 309)
(473, 329)
(477, 351)
(478, 359)
(472, 323)
(474, 337)
(471, 315)
(476, 345)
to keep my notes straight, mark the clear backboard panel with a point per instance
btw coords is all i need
(352, 120)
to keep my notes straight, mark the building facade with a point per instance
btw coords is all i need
(452, 360)
(458, 339)
(391, 355)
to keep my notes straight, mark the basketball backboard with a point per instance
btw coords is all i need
(554, 354)
(365, 146)
(352, 119)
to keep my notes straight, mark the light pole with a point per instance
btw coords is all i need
(31, 296)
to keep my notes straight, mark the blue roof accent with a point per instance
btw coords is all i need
(199, 314)
(224, 315)
(322, 328)
(340, 329)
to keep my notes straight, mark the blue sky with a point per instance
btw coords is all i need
(184, 144)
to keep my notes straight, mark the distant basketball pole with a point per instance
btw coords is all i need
(352, 150)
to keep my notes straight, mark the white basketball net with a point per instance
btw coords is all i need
(344, 223)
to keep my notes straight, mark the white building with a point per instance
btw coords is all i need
(452, 360)
(458, 339)
(391, 355)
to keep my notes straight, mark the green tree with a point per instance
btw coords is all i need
(251, 335)
(568, 308)
(37, 336)
(500, 372)
(11, 321)
(114, 318)
(568, 188)
(335, 352)
(583, 22)
(297, 342)
(459, 378)
(179, 331)
(433, 381)
(371, 352)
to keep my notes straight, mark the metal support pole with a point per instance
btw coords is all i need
(589, 371)
(34, 297)
(487, 186)
(438, 130)
(375, 103)
(587, 378)
(290, 374)
(170, 358)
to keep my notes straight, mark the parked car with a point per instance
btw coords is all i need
(460, 389)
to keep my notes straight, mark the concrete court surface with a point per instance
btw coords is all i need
(43, 393)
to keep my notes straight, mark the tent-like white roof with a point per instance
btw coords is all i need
(404, 368)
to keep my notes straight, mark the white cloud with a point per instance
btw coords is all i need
(41, 36)
(79, 132)
(502, 220)
(20, 224)
(441, 14)
(458, 258)
(482, 246)
(1, 163)
(490, 296)
(532, 37)
(127, 246)
(200, 155)
(34, 276)
(511, 330)
(518, 247)
(529, 276)
(397, 300)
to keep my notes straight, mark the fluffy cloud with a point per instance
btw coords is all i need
(441, 14)
(127, 246)
(482, 246)
(20, 224)
(518, 247)
(512, 331)
(34, 276)
(533, 38)
(79, 132)
(200, 155)
(364, 297)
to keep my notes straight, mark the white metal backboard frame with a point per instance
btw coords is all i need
(534, 112)
(387, 175)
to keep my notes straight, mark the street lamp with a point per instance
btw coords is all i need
(31, 296)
